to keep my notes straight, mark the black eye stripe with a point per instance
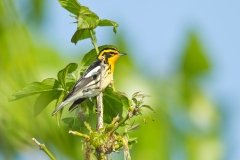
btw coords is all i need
(109, 54)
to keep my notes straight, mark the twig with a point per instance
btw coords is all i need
(88, 127)
(99, 112)
(100, 102)
(79, 134)
(43, 147)
(128, 116)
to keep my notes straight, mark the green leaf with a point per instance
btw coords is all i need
(72, 6)
(112, 105)
(133, 127)
(88, 59)
(135, 94)
(87, 19)
(63, 73)
(44, 99)
(83, 111)
(69, 85)
(49, 84)
(80, 35)
(59, 100)
(105, 22)
(194, 59)
(127, 103)
(71, 121)
(109, 127)
(132, 141)
(147, 106)
(97, 139)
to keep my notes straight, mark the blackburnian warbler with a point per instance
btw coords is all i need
(94, 80)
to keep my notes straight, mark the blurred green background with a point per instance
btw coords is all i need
(179, 74)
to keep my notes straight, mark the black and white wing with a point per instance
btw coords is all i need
(90, 77)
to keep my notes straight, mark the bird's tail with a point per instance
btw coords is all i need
(64, 103)
(76, 104)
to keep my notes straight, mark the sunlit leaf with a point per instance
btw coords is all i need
(87, 19)
(80, 35)
(63, 73)
(97, 139)
(72, 6)
(44, 99)
(105, 22)
(49, 84)
(69, 85)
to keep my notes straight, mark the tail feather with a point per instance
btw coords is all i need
(64, 103)
(76, 103)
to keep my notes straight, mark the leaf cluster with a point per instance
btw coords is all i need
(87, 20)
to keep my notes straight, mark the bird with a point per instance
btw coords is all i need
(94, 80)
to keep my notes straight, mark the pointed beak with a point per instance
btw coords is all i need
(122, 54)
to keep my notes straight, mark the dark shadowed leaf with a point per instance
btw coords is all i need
(71, 121)
(112, 105)
(63, 73)
(72, 6)
(80, 35)
(49, 84)
(83, 111)
(105, 22)
(44, 99)
(127, 103)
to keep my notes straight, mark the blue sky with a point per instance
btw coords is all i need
(158, 29)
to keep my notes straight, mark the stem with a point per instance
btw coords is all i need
(88, 127)
(43, 147)
(128, 116)
(94, 40)
(99, 112)
(79, 134)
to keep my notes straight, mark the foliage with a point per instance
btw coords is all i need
(187, 122)
(106, 140)
(86, 19)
